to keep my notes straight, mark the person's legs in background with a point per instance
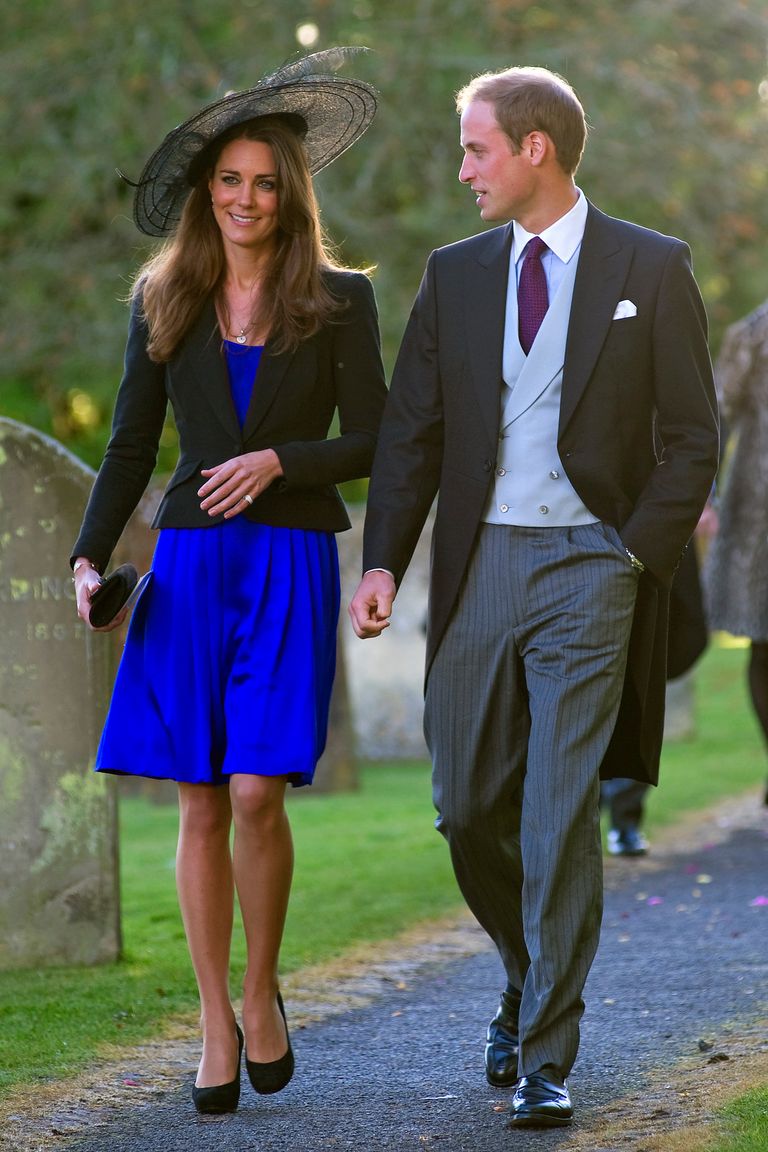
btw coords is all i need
(624, 800)
(757, 674)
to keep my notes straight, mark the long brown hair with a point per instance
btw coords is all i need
(294, 302)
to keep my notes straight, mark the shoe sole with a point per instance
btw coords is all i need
(540, 1121)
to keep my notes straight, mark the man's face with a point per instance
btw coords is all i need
(502, 179)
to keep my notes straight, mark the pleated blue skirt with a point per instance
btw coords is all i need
(230, 656)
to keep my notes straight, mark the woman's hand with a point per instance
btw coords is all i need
(87, 582)
(230, 487)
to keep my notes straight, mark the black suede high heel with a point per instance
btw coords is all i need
(275, 1074)
(221, 1097)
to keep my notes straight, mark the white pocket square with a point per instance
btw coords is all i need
(624, 309)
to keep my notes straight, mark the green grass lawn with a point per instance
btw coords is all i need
(727, 755)
(744, 1124)
(368, 865)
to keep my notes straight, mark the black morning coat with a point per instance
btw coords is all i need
(624, 380)
(294, 399)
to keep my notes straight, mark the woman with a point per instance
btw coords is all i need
(736, 588)
(257, 338)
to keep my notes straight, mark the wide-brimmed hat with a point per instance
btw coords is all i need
(330, 112)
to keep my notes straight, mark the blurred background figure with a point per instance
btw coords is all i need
(735, 574)
(624, 800)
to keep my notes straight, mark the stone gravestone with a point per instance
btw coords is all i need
(59, 899)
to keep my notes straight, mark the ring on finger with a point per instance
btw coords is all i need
(248, 499)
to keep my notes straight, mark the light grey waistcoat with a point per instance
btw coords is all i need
(530, 485)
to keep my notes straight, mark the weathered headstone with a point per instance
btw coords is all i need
(680, 719)
(386, 675)
(59, 899)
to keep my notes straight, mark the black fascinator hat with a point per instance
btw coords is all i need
(329, 112)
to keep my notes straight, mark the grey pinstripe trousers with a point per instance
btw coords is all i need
(521, 702)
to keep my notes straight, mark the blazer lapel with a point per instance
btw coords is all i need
(600, 277)
(272, 369)
(485, 295)
(202, 359)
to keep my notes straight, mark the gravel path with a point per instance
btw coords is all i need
(389, 1054)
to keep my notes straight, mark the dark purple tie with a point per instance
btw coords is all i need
(532, 295)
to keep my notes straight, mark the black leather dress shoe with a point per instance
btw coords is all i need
(503, 1044)
(541, 1100)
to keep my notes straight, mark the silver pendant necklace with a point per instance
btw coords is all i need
(242, 337)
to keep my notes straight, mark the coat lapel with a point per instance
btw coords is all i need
(203, 361)
(272, 369)
(485, 295)
(600, 277)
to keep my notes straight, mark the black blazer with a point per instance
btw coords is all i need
(294, 400)
(621, 378)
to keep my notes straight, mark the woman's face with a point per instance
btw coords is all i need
(244, 194)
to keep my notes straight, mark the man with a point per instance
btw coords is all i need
(557, 533)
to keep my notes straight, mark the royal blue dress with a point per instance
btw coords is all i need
(230, 655)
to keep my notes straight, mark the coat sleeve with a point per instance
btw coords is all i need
(407, 465)
(131, 453)
(667, 510)
(360, 393)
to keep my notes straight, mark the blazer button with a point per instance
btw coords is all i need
(554, 474)
(543, 509)
(503, 507)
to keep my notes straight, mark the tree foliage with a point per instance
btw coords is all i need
(672, 88)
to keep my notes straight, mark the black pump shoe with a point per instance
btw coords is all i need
(221, 1097)
(275, 1074)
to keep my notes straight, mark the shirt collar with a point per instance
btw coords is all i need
(563, 237)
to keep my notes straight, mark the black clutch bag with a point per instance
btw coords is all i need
(112, 595)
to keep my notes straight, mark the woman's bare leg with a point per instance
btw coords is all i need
(263, 866)
(206, 897)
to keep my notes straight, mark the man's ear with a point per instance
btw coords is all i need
(538, 147)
